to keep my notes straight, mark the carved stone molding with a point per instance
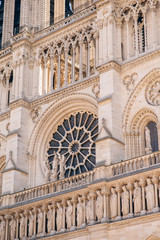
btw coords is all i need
(35, 114)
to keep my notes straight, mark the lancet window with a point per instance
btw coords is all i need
(151, 137)
(1, 19)
(17, 11)
(69, 7)
(51, 12)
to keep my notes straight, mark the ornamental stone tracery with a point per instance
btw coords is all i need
(74, 139)
(152, 93)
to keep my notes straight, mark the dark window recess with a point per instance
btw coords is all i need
(51, 12)
(154, 136)
(1, 20)
(68, 8)
(17, 11)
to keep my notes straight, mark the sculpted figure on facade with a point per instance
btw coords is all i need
(59, 217)
(54, 171)
(2, 228)
(22, 226)
(113, 203)
(137, 199)
(148, 148)
(12, 225)
(40, 221)
(31, 224)
(50, 219)
(80, 210)
(62, 166)
(47, 169)
(89, 210)
(125, 201)
(69, 214)
(99, 205)
(150, 195)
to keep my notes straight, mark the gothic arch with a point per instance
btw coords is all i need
(47, 124)
(151, 76)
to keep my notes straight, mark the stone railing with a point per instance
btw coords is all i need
(134, 164)
(48, 189)
(100, 202)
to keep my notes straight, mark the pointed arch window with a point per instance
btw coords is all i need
(69, 6)
(141, 33)
(17, 11)
(1, 20)
(51, 12)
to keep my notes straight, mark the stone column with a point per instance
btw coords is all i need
(119, 40)
(111, 37)
(17, 224)
(145, 30)
(54, 217)
(7, 227)
(74, 202)
(84, 198)
(51, 75)
(158, 132)
(66, 66)
(73, 63)
(44, 209)
(143, 184)
(88, 58)
(106, 193)
(96, 36)
(136, 34)
(92, 197)
(59, 70)
(7, 88)
(64, 215)
(45, 76)
(80, 59)
(130, 188)
(105, 39)
(35, 220)
(153, 9)
(119, 190)
(155, 180)
(100, 43)
(128, 38)
(26, 222)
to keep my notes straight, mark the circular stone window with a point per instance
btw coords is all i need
(75, 139)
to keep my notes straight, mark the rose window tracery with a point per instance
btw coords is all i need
(152, 93)
(75, 140)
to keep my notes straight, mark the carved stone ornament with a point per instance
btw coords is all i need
(129, 81)
(152, 93)
(35, 114)
(96, 90)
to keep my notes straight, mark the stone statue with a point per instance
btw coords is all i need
(22, 226)
(12, 225)
(137, 199)
(47, 170)
(59, 217)
(148, 140)
(113, 203)
(69, 214)
(99, 206)
(2, 229)
(54, 171)
(150, 195)
(40, 221)
(125, 201)
(61, 166)
(31, 224)
(89, 210)
(50, 219)
(80, 209)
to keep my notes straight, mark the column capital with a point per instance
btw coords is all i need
(142, 182)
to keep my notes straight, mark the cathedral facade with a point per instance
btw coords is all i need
(80, 119)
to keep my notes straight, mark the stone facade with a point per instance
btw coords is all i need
(80, 121)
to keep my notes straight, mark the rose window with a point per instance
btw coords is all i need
(75, 139)
(152, 93)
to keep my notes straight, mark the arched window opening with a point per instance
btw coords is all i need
(69, 6)
(151, 137)
(51, 12)
(17, 11)
(1, 20)
(141, 33)
(10, 83)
